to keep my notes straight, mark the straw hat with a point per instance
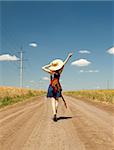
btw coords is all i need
(56, 65)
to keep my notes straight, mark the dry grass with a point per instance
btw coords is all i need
(10, 95)
(94, 95)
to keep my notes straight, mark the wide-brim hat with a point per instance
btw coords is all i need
(56, 65)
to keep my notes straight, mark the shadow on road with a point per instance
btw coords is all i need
(63, 118)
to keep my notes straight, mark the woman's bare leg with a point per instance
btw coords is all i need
(54, 104)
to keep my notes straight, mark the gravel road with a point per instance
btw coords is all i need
(82, 126)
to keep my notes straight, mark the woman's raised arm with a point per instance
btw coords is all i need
(45, 68)
(68, 57)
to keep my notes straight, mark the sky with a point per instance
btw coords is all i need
(46, 30)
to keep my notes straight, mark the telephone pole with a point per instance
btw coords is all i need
(108, 84)
(21, 68)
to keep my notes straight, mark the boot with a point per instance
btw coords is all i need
(55, 118)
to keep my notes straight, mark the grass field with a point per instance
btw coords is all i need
(10, 95)
(106, 96)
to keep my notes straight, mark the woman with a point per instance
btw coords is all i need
(55, 68)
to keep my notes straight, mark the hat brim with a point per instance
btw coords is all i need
(60, 64)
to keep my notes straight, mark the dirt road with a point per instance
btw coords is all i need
(30, 126)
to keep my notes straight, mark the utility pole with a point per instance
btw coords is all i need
(108, 84)
(21, 68)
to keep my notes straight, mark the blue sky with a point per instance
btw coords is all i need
(58, 28)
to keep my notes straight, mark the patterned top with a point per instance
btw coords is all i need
(54, 81)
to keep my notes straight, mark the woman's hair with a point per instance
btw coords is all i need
(56, 74)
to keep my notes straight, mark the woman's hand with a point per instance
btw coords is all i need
(46, 68)
(70, 54)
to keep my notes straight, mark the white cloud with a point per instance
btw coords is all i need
(92, 71)
(111, 50)
(81, 71)
(32, 81)
(7, 57)
(98, 87)
(84, 52)
(81, 63)
(96, 70)
(33, 45)
(27, 86)
(89, 71)
(45, 78)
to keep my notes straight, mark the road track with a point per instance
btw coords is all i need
(82, 126)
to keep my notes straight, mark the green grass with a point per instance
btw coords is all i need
(106, 96)
(10, 95)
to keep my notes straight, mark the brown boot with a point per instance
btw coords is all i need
(55, 118)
